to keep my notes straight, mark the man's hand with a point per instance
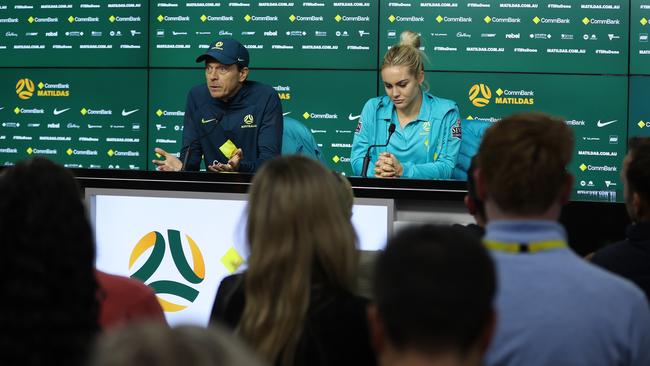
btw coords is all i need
(231, 166)
(387, 166)
(170, 164)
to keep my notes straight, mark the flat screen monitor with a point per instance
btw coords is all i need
(183, 244)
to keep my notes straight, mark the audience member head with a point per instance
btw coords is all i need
(298, 234)
(155, 344)
(433, 288)
(50, 304)
(636, 178)
(474, 205)
(522, 165)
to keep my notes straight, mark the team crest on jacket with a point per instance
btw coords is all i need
(456, 130)
(248, 121)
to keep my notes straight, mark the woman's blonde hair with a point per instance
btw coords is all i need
(406, 53)
(298, 232)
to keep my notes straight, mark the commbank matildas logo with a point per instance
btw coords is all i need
(151, 268)
(479, 95)
(25, 88)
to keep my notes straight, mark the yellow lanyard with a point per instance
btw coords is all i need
(516, 248)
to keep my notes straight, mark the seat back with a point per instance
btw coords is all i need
(472, 134)
(298, 139)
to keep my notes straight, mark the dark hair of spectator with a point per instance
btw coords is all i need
(638, 169)
(49, 307)
(434, 288)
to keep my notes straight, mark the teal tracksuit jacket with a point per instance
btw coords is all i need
(427, 147)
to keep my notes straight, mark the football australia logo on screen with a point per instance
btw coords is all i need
(25, 88)
(173, 295)
(479, 95)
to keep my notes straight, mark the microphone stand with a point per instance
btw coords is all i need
(188, 147)
(366, 159)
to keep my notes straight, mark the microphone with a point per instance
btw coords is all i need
(217, 118)
(366, 159)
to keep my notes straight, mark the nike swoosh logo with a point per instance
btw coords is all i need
(352, 118)
(1, 108)
(207, 120)
(603, 124)
(56, 112)
(283, 114)
(125, 113)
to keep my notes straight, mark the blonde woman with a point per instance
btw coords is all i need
(426, 128)
(294, 304)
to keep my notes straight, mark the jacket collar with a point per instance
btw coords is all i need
(386, 108)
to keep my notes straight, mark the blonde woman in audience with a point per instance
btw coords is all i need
(294, 304)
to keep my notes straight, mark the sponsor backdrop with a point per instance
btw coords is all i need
(639, 29)
(321, 34)
(541, 36)
(99, 84)
(639, 107)
(73, 33)
(600, 133)
(81, 118)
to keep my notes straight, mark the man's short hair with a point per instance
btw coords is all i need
(523, 160)
(638, 168)
(434, 288)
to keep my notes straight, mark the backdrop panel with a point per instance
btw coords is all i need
(639, 107)
(541, 36)
(73, 34)
(639, 30)
(600, 133)
(81, 118)
(321, 34)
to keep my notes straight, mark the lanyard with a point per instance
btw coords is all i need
(516, 248)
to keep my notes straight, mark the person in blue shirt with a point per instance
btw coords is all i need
(233, 123)
(427, 134)
(554, 307)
